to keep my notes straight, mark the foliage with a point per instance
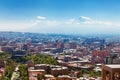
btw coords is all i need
(84, 71)
(4, 56)
(23, 72)
(40, 77)
(10, 66)
(98, 73)
(90, 72)
(40, 59)
(94, 73)
(11, 63)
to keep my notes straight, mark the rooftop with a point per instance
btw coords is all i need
(36, 70)
(47, 75)
(113, 66)
(41, 65)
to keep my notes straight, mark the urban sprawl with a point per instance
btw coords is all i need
(35, 56)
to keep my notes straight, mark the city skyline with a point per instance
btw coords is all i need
(60, 16)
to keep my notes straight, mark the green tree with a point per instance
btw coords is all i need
(84, 71)
(40, 59)
(40, 77)
(23, 72)
(10, 66)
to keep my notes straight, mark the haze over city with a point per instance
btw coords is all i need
(60, 16)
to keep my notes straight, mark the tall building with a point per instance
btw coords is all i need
(111, 72)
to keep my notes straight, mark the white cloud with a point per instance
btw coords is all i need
(89, 21)
(85, 18)
(82, 20)
(43, 24)
(41, 17)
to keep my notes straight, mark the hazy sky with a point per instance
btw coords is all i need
(60, 16)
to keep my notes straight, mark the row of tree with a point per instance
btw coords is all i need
(10, 65)
(23, 72)
(38, 59)
(90, 73)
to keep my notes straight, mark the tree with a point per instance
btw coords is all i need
(40, 76)
(23, 72)
(10, 66)
(40, 59)
(84, 71)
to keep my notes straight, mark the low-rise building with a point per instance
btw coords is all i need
(2, 68)
(49, 77)
(42, 69)
(64, 77)
(59, 71)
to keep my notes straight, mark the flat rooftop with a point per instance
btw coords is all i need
(113, 65)
(36, 70)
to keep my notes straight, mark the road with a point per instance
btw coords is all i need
(16, 74)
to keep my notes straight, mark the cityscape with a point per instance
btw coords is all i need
(35, 56)
(59, 40)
